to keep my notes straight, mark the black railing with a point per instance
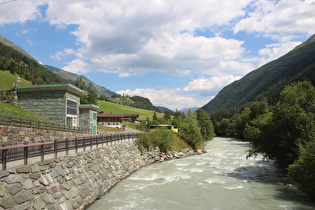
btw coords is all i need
(21, 122)
(27, 150)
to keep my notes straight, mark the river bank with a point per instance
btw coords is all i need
(74, 181)
(221, 178)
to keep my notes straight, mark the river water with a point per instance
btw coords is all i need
(222, 178)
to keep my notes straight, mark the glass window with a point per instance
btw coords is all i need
(69, 121)
(72, 107)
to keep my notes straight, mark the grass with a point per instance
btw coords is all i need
(113, 108)
(7, 79)
(106, 129)
(13, 111)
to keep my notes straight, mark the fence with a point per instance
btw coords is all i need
(14, 121)
(25, 151)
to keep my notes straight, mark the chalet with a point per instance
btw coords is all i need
(59, 103)
(115, 120)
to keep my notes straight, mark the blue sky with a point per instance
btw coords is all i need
(179, 54)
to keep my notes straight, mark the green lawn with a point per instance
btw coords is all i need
(13, 111)
(7, 79)
(113, 108)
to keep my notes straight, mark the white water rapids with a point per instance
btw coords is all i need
(222, 178)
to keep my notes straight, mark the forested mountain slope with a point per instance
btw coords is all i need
(25, 66)
(71, 78)
(268, 80)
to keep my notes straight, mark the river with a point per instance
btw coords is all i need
(222, 178)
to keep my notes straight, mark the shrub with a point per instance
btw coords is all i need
(161, 138)
(191, 135)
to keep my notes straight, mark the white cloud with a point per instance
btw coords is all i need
(59, 55)
(280, 19)
(274, 51)
(76, 66)
(210, 86)
(169, 98)
(136, 36)
(19, 11)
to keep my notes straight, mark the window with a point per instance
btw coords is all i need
(69, 121)
(72, 107)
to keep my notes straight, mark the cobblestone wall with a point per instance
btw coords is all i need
(12, 134)
(75, 181)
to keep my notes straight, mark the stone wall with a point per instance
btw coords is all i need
(10, 134)
(48, 104)
(74, 181)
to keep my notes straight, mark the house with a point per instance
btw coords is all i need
(115, 120)
(59, 103)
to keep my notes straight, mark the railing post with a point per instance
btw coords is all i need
(76, 144)
(25, 153)
(96, 141)
(91, 142)
(56, 147)
(42, 151)
(4, 157)
(84, 143)
(67, 146)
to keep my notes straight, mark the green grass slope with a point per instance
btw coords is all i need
(7, 79)
(268, 80)
(114, 108)
(13, 111)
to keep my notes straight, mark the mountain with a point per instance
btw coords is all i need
(71, 78)
(268, 80)
(162, 109)
(185, 110)
(15, 60)
(7, 42)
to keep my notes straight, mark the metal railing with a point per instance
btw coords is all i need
(21, 122)
(27, 150)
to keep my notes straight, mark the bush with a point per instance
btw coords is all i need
(161, 138)
(191, 135)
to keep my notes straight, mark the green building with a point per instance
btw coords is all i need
(59, 103)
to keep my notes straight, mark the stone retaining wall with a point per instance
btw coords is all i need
(74, 181)
(10, 134)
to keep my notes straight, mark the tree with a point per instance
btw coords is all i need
(290, 124)
(167, 115)
(91, 96)
(205, 124)
(80, 83)
(191, 134)
(191, 116)
(303, 169)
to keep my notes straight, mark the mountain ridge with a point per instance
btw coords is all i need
(11, 44)
(268, 80)
(72, 77)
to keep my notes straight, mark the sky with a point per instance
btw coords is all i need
(177, 53)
